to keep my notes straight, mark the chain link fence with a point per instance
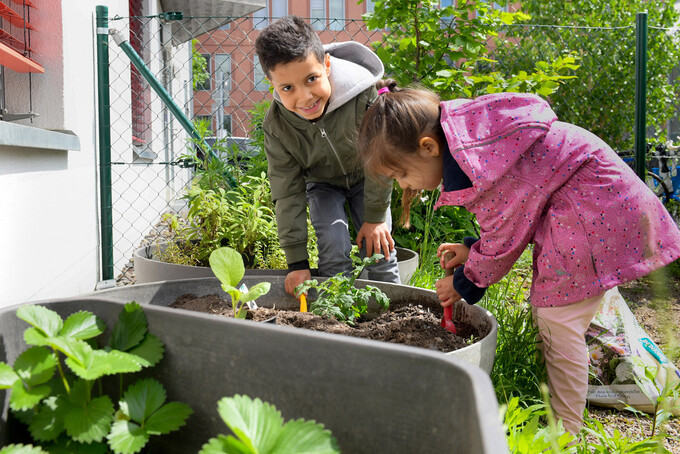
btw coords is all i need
(148, 174)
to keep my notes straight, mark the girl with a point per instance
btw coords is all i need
(529, 179)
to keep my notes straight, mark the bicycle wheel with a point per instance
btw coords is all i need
(658, 186)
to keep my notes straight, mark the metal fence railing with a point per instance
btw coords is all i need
(147, 142)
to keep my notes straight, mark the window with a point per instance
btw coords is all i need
(447, 21)
(273, 9)
(15, 55)
(205, 120)
(279, 8)
(260, 16)
(259, 81)
(224, 122)
(496, 6)
(317, 11)
(223, 74)
(335, 16)
(208, 64)
(370, 6)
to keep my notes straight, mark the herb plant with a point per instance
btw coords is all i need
(339, 298)
(64, 407)
(260, 429)
(227, 264)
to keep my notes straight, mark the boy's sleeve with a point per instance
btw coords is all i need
(289, 195)
(377, 196)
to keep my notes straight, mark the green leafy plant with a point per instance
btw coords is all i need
(227, 265)
(260, 429)
(22, 449)
(339, 298)
(603, 37)
(199, 66)
(527, 432)
(63, 408)
(241, 218)
(443, 47)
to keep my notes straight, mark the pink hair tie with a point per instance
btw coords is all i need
(383, 90)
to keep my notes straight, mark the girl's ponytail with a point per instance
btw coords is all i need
(389, 84)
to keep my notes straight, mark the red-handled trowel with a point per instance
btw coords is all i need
(448, 310)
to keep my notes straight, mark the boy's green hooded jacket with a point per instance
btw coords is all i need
(300, 151)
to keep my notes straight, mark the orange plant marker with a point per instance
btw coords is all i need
(303, 303)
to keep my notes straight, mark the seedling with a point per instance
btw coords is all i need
(64, 410)
(259, 429)
(339, 298)
(227, 265)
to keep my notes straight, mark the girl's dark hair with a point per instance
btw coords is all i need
(285, 40)
(392, 129)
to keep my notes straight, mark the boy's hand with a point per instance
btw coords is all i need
(378, 239)
(458, 251)
(295, 278)
(445, 291)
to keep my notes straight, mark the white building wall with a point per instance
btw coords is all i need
(49, 199)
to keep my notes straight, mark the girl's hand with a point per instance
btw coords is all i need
(378, 239)
(445, 291)
(459, 252)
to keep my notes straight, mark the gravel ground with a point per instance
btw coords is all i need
(659, 316)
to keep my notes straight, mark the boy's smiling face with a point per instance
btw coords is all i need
(303, 86)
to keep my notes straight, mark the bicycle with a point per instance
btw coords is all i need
(663, 177)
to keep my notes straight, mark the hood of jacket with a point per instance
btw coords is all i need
(354, 68)
(487, 135)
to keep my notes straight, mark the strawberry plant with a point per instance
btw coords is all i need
(339, 298)
(260, 429)
(56, 384)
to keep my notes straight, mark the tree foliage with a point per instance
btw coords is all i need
(444, 47)
(603, 36)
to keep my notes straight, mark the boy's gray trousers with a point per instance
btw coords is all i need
(329, 218)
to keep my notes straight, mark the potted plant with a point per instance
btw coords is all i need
(479, 351)
(357, 389)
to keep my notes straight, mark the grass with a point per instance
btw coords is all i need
(519, 378)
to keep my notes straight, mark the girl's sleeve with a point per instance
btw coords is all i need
(508, 217)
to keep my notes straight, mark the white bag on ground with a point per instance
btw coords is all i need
(619, 350)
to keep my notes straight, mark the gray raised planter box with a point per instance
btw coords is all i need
(149, 269)
(375, 397)
(481, 353)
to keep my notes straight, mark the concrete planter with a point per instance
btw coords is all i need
(480, 354)
(148, 269)
(375, 397)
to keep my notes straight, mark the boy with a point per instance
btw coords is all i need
(320, 97)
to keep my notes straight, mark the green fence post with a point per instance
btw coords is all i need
(641, 95)
(104, 105)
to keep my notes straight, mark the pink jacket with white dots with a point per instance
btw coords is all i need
(537, 180)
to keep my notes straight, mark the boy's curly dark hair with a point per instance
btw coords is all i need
(285, 40)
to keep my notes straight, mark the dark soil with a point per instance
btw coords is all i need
(410, 324)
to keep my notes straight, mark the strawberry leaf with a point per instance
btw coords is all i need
(126, 437)
(36, 366)
(46, 320)
(90, 422)
(82, 325)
